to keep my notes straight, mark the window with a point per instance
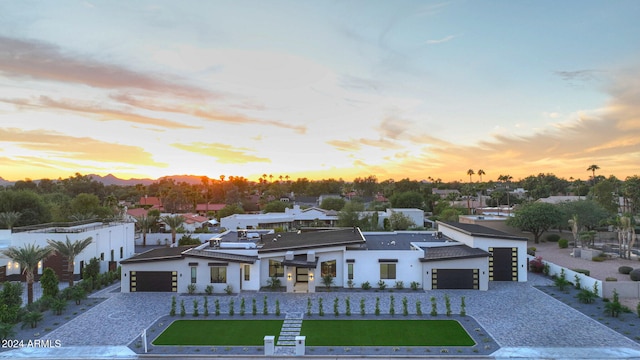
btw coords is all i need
(387, 271)
(247, 272)
(350, 271)
(218, 274)
(121, 252)
(328, 268)
(194, 272)
(275, 268)
(112, 255)
(101, 256)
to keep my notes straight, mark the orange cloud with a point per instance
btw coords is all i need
(55, 145)
(225, 154)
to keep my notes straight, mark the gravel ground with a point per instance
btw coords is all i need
(514, 314)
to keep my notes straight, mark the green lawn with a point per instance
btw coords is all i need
(219, 332)
(385, 333)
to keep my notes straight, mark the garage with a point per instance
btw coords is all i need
(503, 264)
(454, 279)
(153, 281)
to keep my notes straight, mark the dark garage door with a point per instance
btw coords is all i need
(159, 281)
(454, 279)
(503, 264)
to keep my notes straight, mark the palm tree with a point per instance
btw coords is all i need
(506, 179)
(480, 173)
(28, 257)
(70, 250)
(470, 172)
(173, 221)
(9, 218)
(593, 169)
(145, 222)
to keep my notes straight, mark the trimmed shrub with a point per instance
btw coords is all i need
(366, 285)
(563, 243)
(635, 275)
(625, 269)
(553, 238)
(531, 251)
(610, 279)
(582, 271)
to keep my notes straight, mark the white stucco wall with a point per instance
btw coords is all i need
(366, 267)
(105, 238)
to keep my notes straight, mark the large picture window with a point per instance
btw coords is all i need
(275, 268)
(387, 271)
(218, 274)
(328, 268)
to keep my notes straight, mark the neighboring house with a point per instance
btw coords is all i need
(459, 256)
(560, 199)
(150, 202)
(112, 242)
(444, 192)
(205, 209)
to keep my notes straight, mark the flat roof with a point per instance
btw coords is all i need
(311, 239)
(399, 240)
(481, 231)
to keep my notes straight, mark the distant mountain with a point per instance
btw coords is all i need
(4, 182)
(112, 180)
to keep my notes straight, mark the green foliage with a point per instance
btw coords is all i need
(265, 309)
(208, 289)
(242, 306)
(186, 240)
(216, 306)
(274, 283)
(191, 289)
(11, 294)
(9, 314)
(625, 270)
(407, 199)
(228, 289)
(576, 281)
(553, 237)
(419, 307)
(377, 310)
(447, 304)
(589, 212)
(327, 281)
(563, 243)
(6, 331)
(232, 309)
(392, 305)
(463, 306)
(561, 281)
(586, 296)
(349, 216)
(336, 310)
(320, 308)
(634, 275)
(434, 306)
(414, 285)
(254, 307)
(332, 203)
(206, 306)
(58, 305)
(30, 205)
(613, 308)
(309, 304)
(399, 285)
(381, 284)
(347, 306)
(365, 285)
(362, 307)
(91, 269)
(535, 217)
(277, 307)
(582, 271)
(183, 311)
(230, 210)
(172, 312)
(405, 307)
(49, 282)
(32, 318)
(78, 294)
(276, 206)
(195, 308)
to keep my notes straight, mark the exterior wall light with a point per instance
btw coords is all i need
(311, 277)
(288, 276)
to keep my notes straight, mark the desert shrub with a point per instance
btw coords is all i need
(415, 285)
(582, 271)
(191, 289)
(58, 305)
(610, 279)
(563, 243)
(625, 269)
(366, 285)
(209, 289)
(382, 285)
(586, 296)
(228, 289)
(635, 275)
(613, 308)
(561, 281)
(399, 285)
(553, 238)
(274, 283)
(531, 251)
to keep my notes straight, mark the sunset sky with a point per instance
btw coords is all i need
(319, 89)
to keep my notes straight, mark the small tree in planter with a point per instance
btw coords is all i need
(336, 310)
(362, 307)
(265, 309)
(254, 307)
(377, 311)
(308, 306)
(561, 281)
(392, 305)
(463, 306)
(183, 311)
(405, 307)
(613, 308)
(419, 308)
(231, 309)
(206, 306)
(195, 308)
(347, 306)
(277, 307)
(216, 305)
(78, 294)
(447, 304)
(242, 306)
(274, 283)
(415, 285)
(172, 312)
(434, 306)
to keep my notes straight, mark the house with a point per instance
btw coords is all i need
(112, 242)
(458, 256)
(150, 202)
(205, 209)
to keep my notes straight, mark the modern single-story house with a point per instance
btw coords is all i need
(458, 256)
(112, 242)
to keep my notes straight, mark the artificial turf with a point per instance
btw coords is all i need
(385, 333)
(219, 332)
